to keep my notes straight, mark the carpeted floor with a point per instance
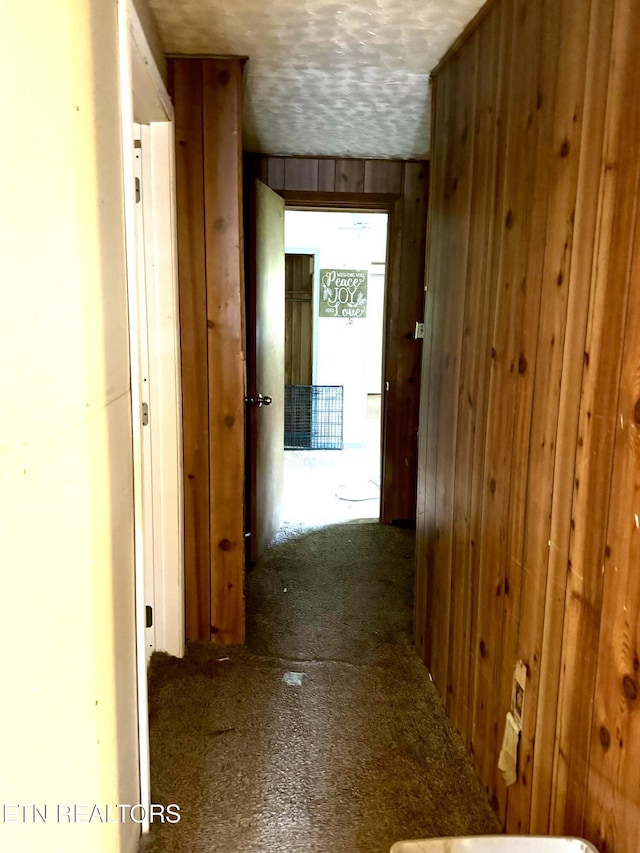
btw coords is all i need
(325, 733)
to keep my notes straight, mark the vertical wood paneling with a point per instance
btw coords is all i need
(564, 122)
(529, 462)
(421, 594)
(472, 393)
(499, 44)
(349, 176)
(400, 500)
(222, 111)
(586, 207)
(275, 173)
(208, 103)
(508, 362)
(613, 801)
(326, 176)
(187, 83)
(534, 350)
(383, 176)
(456, 200)
(597, 426)
(390, 468)
(301, 174)
(613, 794)
(431, 389)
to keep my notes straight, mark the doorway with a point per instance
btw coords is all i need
(334, 322)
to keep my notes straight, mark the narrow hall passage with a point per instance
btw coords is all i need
(324, 733)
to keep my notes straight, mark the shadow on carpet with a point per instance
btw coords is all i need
(325, 732)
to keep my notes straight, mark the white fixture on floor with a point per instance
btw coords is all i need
(496, 844)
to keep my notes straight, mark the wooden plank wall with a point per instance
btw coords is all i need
(402, 188)
(207, 95)
(298, 322)
(529, 448)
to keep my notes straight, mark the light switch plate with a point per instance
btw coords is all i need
(517, 694)
(419, 333)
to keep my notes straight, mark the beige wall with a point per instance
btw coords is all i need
(68, 729)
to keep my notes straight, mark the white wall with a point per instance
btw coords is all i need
(347, 353)
(68, 712)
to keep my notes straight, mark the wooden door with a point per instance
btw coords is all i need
(298, 327)
(265, 353)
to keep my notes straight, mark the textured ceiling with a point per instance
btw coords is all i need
(326, 78)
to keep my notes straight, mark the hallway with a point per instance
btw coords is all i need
(354, 754)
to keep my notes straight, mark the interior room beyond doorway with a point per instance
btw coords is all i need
(334, 297)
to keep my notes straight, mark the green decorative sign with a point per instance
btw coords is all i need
(343, 293)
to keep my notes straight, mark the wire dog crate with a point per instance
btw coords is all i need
(313, 417)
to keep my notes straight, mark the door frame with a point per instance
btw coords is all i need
(390, 204)
(158, 499)
(401, 188)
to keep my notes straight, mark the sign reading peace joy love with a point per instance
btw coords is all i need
(343, 293)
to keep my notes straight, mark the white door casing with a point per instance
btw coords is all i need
(150, 233)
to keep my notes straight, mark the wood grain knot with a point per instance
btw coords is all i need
(564, 148)
(191, 476)
(630, 686)
(522, 364)
(219, 224)
(492, 485)
(210, 324)
(229, 421)
(214, 630)
(483, 649)
(605, 737)
(509, 219)
(225, 545)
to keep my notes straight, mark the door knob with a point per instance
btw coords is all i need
(259, 400)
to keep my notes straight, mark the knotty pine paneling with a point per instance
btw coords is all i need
(187, 94)
(402, 189)
(207, 95)
(528, 537)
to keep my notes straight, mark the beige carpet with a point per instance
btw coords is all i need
(325, 733)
